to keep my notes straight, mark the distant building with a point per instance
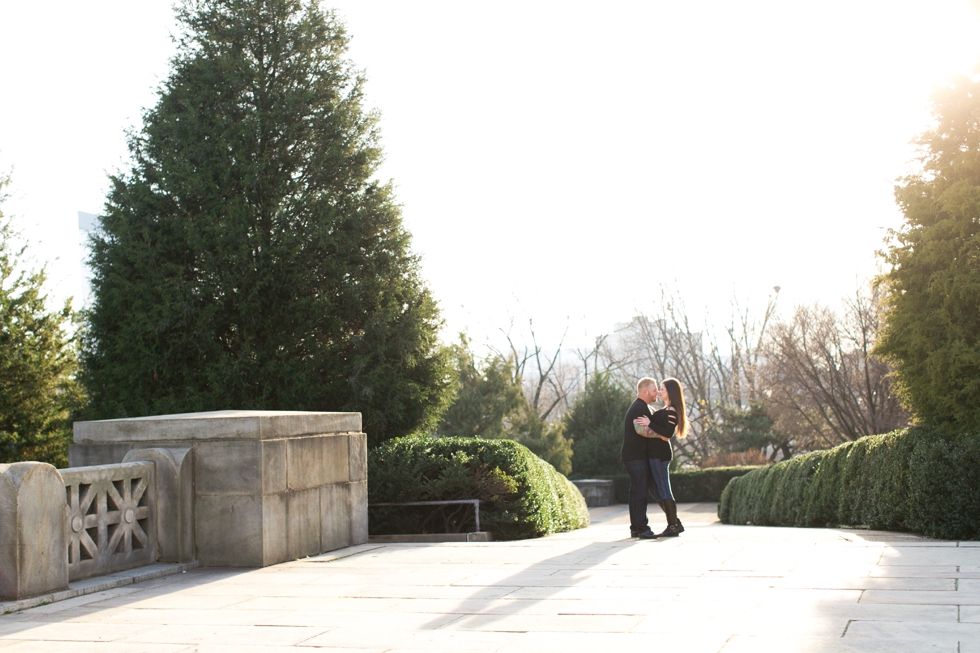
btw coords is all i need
(88, 224)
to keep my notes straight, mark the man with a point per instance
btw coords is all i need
(634, 456)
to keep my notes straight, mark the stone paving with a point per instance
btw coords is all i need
(715, 588)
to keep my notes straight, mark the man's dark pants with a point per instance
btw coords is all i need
(639, 471)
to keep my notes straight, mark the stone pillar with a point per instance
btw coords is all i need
(33, 531)
(268, 486)
(174, 500)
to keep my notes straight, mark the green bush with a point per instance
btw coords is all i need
(690, 486)
(522, 496)
(918, 479)
(699, 485)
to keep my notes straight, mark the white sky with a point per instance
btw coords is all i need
(555, 160)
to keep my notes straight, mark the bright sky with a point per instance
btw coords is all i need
(555, 160)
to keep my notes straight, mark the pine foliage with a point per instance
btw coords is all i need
(486, 396)
(38, 361)
(932, 326)
(595, 423)
(489, 402)
(250, 259)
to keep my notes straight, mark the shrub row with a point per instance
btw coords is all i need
(695, 485)
(705, 484)
(920, 479)
(521, 495)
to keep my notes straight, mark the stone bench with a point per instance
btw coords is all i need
(597, 492)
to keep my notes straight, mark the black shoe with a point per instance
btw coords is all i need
(679, 525)
(671, 531)
(648, 535)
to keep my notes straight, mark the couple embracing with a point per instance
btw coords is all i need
(647, 453)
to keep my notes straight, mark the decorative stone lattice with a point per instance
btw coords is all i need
(111, 518)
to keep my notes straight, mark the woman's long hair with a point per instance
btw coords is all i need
(676, 395)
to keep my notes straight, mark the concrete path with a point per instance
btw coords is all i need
(715, 588)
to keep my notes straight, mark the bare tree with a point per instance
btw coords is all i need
(824, 386)
(715, 380)
(547, 382)
(802, 384)
(747, 337)
(665, 344)
(602, 358)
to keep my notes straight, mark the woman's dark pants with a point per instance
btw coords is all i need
(660, 478)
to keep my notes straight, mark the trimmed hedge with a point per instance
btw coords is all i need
(523, 496)
(699, 485)
(921, 479)
(690, 486)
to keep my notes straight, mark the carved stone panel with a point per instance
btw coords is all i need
(111, 518)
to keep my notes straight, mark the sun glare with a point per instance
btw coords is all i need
(947, 34)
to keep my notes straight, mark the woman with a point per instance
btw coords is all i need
(669, 421)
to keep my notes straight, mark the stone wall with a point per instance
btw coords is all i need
(230, 488)
(268, 486)
(64, 525)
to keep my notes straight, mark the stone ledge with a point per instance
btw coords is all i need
(99, 584)
(597, 493)
(217, 425)
(481, 536)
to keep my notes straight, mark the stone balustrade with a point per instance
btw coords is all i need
(99, 520)
(230, 488)
(268, 486)
(112, 521)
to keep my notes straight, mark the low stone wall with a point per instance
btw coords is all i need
(230, 488)
(58, 526)
(268, 486)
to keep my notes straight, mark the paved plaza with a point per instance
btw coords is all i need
(715, 588)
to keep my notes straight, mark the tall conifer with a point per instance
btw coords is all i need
(38, 360)
(250, 259)
(932, 322)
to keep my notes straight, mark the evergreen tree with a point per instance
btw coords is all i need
(249, 259)
(38, 389)
(595, 423)
(486, 396)
(743, 429)
(489, 402)
(932, 321)
(546, 440)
